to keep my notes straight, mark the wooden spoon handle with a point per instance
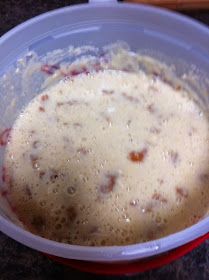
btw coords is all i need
(176, 4)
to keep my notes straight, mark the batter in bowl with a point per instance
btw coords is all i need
(109, 158)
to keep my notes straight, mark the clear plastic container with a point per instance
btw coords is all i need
(175, 39)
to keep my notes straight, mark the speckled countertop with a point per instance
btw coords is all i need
(19, 262)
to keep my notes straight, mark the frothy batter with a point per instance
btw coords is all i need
(109, 158)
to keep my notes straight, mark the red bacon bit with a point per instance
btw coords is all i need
(4, 136)
(14, 208)
(108, 186)
(41, 109)
(49, 69)
(159, 197)
(41, 174)
(5, 175)
(44, 97)
(137, 156)
(130, 98)
(178, 87)
(181, 193)
(75, 72)
(4, 193)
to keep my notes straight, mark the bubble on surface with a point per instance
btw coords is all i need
(71, 190)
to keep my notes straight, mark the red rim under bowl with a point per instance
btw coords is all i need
(131, 267)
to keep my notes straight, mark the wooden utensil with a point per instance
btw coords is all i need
(176, 4)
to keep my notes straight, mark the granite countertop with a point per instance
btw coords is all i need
(20, 262)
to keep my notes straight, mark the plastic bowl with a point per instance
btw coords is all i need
(177, 39)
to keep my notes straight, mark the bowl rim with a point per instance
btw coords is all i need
(107, 253)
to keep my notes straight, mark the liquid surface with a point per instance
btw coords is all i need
(109, 158)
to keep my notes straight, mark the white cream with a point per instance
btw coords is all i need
(109, 158)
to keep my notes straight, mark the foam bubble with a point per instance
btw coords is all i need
(71, 190)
